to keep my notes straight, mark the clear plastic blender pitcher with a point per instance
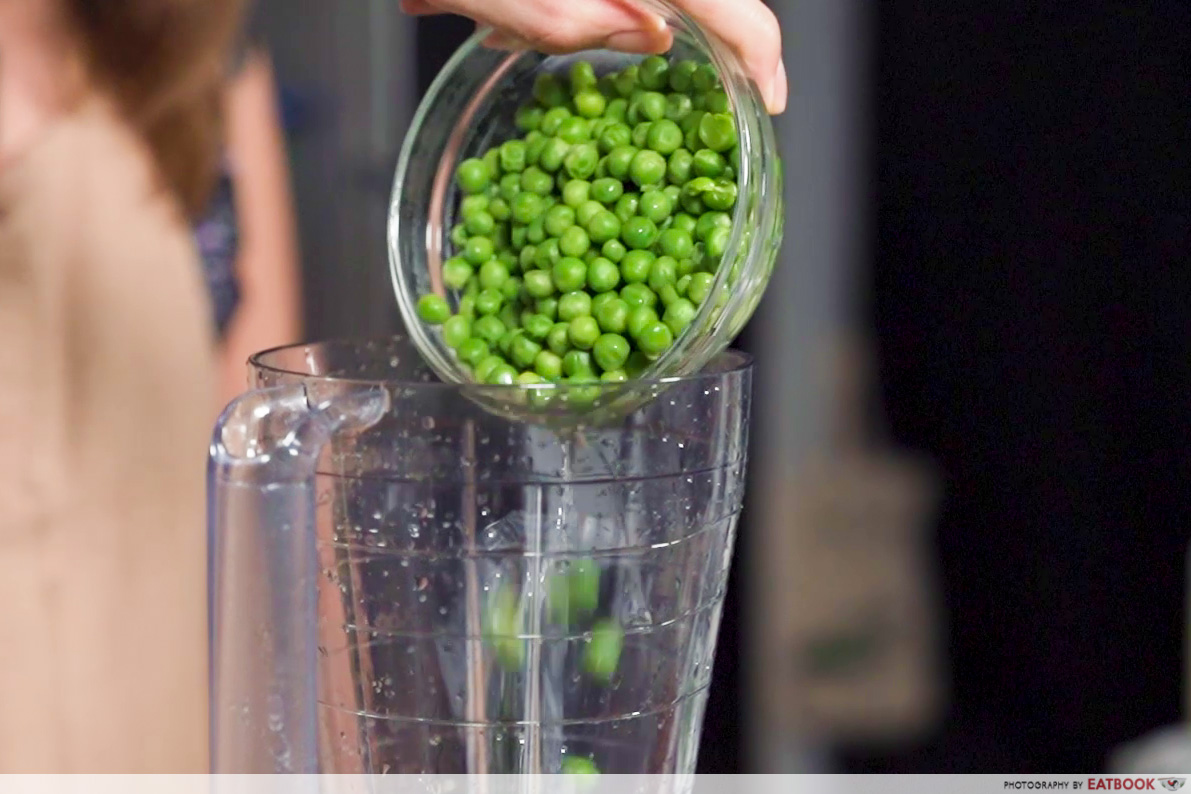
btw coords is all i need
(406, 582)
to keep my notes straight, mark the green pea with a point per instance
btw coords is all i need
(640, 137)
(547, 307)
(511, 289)
(679, 314)
(684, 282)
(505, 343)
(528, 118)
(536, 326)
(667, 294)
(710, 221)
(664, 137)
(679, 167)
(616, 109)
(607, 190)
(611, 351)
(718, 132)
(578, 765)
(614, 136)
(654, 339)
(716, 102)
(620, 160)
(638, 295)
(613, 316)
(655, 205)
(704, 77)
(459, 235)
(503, 626)
(526, 207)
(529, 254)
(473, 204)
(583, 332)
(467, 305)
(680, 75)
(574, 130)
(512, 156)
(534, 149)
(654, 72)
(652, 106)
(716, 242)
(493, 275)
(641, 318)
(487, 366)
(581, 161)
(456, 272)
(473, 176)
(588, 210)
(635, 266)
(548, 91)
(524, 351)
(574, 241)
(553, 153)
(614, 249)
(678, 107)
(590, 104)
(576, 362)
(602, 275)
(663, 272)
(558, 219)
(510, 186)
(626, 81)
(529, 379)
(604, 227)
(638, 232)
(637, 365)
(559, 339)
(539, 284)
(676, 243)
(709, 163)
(569, 274)
(508, 315)
(535, 180)
(582, 76)
(721, 197)
(575, 192)
(433, 309)
(500, 210)
(488, 304)
(602, 655)
(548, 364)
(626, 207)
(647, 168)
(572, 305)
(472, 351)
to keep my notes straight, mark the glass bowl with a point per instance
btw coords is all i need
(471, 107)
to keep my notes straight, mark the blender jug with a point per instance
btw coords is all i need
(404, 581)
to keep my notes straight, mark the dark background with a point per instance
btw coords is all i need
(1031, 302)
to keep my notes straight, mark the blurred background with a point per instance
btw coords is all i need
(964, 547)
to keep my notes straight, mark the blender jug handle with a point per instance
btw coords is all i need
(262, 572)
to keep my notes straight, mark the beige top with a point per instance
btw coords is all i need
(106, 404)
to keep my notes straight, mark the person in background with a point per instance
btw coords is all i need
(110, 131)
(248, 237)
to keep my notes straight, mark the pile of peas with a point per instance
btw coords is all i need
(586, 246)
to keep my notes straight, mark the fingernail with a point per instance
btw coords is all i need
(635, 41)
(778, 88)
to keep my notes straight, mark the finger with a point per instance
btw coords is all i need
(499, 40)
(419, 7)
(556, 27)
(752, 31)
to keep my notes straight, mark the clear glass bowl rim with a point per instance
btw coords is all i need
(724, 365)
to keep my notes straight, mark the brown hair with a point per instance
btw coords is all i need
(165, 63)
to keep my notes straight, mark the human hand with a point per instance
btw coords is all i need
(559, 26)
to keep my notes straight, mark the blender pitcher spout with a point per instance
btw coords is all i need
(262, 565)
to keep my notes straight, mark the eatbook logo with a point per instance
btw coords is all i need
(1173, 783)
